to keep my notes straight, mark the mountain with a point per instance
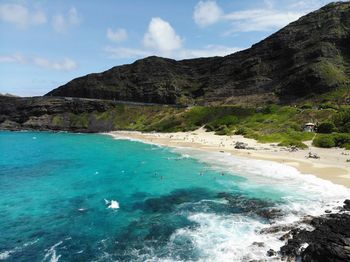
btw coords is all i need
(8, 95)
(306, 58)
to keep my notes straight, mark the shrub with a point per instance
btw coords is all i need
(326, 128)
(222, 130)
(57, 120)
(341, 140)
(270, 109)
(346, 128)
(325, 141)
(225, 120)
(307, 106)
(241, 131)
(328, 106)
(169, 124)
(209, 128)
(347, 146)
(342, 120)
(292, 142)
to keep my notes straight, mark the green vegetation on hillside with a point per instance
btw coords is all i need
(268, 124)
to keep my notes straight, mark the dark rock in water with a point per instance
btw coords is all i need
(329, 241)
(270, 213)
(153, 232)
(246, 204)
(275, 229)
(328, 211)
(258, 244)
(347, 205)
(168, 203)
(286, 236)
(271, 253)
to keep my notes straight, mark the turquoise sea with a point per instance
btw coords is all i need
(174, 204)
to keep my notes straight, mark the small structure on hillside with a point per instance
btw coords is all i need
(309, 127)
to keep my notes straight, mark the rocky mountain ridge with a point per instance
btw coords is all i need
(306, 58)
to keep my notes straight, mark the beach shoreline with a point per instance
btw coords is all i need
(332, 164)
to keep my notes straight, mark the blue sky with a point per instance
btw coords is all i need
(46, 43)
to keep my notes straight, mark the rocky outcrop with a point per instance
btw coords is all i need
(329, 241)
(80, 114)
(41, 113)
(308, 57)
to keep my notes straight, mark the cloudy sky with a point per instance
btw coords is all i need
(46, 43)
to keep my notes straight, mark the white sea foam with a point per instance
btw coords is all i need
(113, 204)
(117, 137)
(6, 254)
(51, 254)
(227, 238)
(183, 156)
(238, 237)
(231, 237)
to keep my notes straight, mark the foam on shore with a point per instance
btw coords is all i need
(237, 237)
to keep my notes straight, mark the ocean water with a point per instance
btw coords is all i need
(174, 204)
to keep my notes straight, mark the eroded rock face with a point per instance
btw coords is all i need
(309, 56)
(43, 113)
(329, 241)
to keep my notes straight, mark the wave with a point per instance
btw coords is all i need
(7, 253)
(241, 238)
(122, 137)
(238, 237)
(52, 254)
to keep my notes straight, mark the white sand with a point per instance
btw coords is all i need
(332, 164)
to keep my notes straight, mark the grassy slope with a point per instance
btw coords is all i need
(269, 123)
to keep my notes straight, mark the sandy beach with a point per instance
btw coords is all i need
(332, 164)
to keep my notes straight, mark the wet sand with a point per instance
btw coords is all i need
(332, 164)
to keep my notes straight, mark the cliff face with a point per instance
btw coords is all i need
(307, 57)
(79, 114)
(41, 113)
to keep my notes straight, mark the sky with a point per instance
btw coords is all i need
(47, 43)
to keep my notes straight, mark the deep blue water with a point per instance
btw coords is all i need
(53, 188)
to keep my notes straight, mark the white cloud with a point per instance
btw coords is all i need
(207, 51)
(65, 64)
(21, 16)
(73, 16)
(272, 15)
(15, 58)
(124, 52)
(161, 37)
(207, 13)
(183, 53)
(161, 40)
(118, 35)
(62, 22)
(308, 5)
(59, 23)
(260, 20)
